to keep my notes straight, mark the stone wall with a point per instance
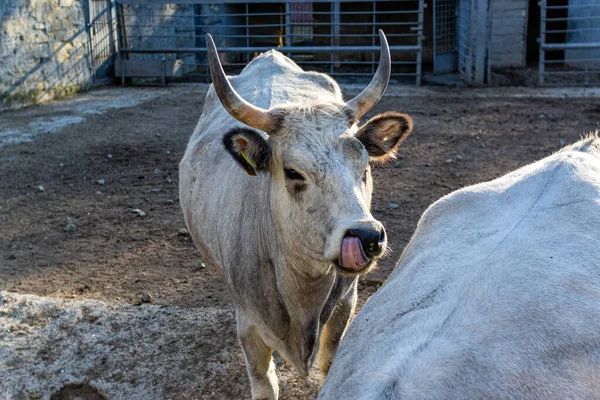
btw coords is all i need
(509, 29)
(43, 50)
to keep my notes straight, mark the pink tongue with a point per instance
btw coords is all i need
(352, 256)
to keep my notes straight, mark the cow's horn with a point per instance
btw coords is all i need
(235, 105)
(371, 95)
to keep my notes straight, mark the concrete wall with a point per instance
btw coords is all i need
(509, 29)
(43, 50)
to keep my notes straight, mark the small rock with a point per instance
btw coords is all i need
(156, 171)
(109, 155)
(397, 164)
(156, 190)
(428, 165)
(41, 188)
(170, 201)
(202, 265)
(542, 116)
(61, 164)
(393, 206)
(482, 146)
(69, 227)
(183, 232)
(432, 145)
(98, 192)
(448, 161)
(168, 152)
(459, 157)
(147, 298)
(100, 181)
(169, 180)
(138, 212)
(562, 142)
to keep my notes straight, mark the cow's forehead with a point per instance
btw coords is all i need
(314, 122)
(329, 154)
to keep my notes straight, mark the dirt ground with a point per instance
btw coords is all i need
(66, 198)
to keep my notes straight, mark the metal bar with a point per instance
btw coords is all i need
(571, 46)
(247, 31)
(588, 18)
(542, 40)
(267, 48)
(571, 6)
(273, 37)
(336, 29)
(582, 72)
(275, 14)
(435, 33)
(166, 2)
(420, 43)
(571, 61)
(572, 30)
(288, 25)
(359, 63)
(374, 14)
(313, 23)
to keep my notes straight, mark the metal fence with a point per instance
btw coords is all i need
(445, 41)
(339, 38)
(569, 42)
(101, 30)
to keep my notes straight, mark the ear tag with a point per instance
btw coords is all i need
(243, 143)
(243, 153)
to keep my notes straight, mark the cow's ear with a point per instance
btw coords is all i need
(249, 148)
(383, 133)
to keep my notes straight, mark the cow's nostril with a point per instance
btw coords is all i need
(382, 236)
(371, 240)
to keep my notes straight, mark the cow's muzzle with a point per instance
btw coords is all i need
(360, 246)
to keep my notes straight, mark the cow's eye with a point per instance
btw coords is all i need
(292, 174)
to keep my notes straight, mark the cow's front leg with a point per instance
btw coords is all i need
(334, 329)
(259, 361)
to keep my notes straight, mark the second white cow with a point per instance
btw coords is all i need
(497, 296)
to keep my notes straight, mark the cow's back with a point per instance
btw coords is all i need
(496, 296)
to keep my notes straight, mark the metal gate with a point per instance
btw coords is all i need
(340, 38)
(101, 30)
(474, 27)
(569, 42)
(445, 13)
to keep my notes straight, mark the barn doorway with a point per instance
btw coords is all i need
(533, 33)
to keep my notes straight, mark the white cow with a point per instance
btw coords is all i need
(275, 188)
(497, 296)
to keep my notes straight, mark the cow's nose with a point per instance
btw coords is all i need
(373, 240)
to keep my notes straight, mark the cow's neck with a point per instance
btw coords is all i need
(311, 291)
